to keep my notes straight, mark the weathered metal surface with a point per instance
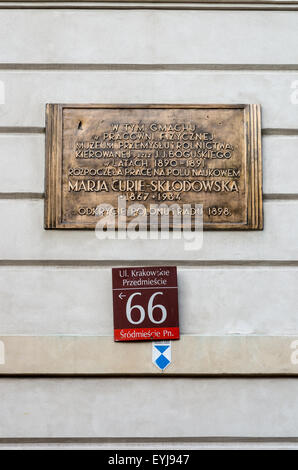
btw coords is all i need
(123, 155)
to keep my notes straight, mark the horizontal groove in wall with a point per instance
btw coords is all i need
(154, 2)
(79, 5)
(22, 130)
(139, 445)
(120, 375)
(151, 440)
(21, 195)
(280, 197)
(150, 67)
(285, 132)
(151, 262)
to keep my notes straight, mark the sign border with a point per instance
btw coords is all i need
(174, 328)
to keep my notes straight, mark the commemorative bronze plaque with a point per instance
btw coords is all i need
(150, 156)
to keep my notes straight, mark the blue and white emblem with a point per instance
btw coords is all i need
(161, 354)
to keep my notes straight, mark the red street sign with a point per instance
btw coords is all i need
(145, 303)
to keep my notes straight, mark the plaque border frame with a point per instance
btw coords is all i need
(54, 148)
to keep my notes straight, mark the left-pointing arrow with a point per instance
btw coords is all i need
(121, 295)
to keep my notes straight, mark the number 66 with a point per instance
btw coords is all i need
(151, 308)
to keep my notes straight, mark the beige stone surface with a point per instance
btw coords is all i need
(191, 355)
